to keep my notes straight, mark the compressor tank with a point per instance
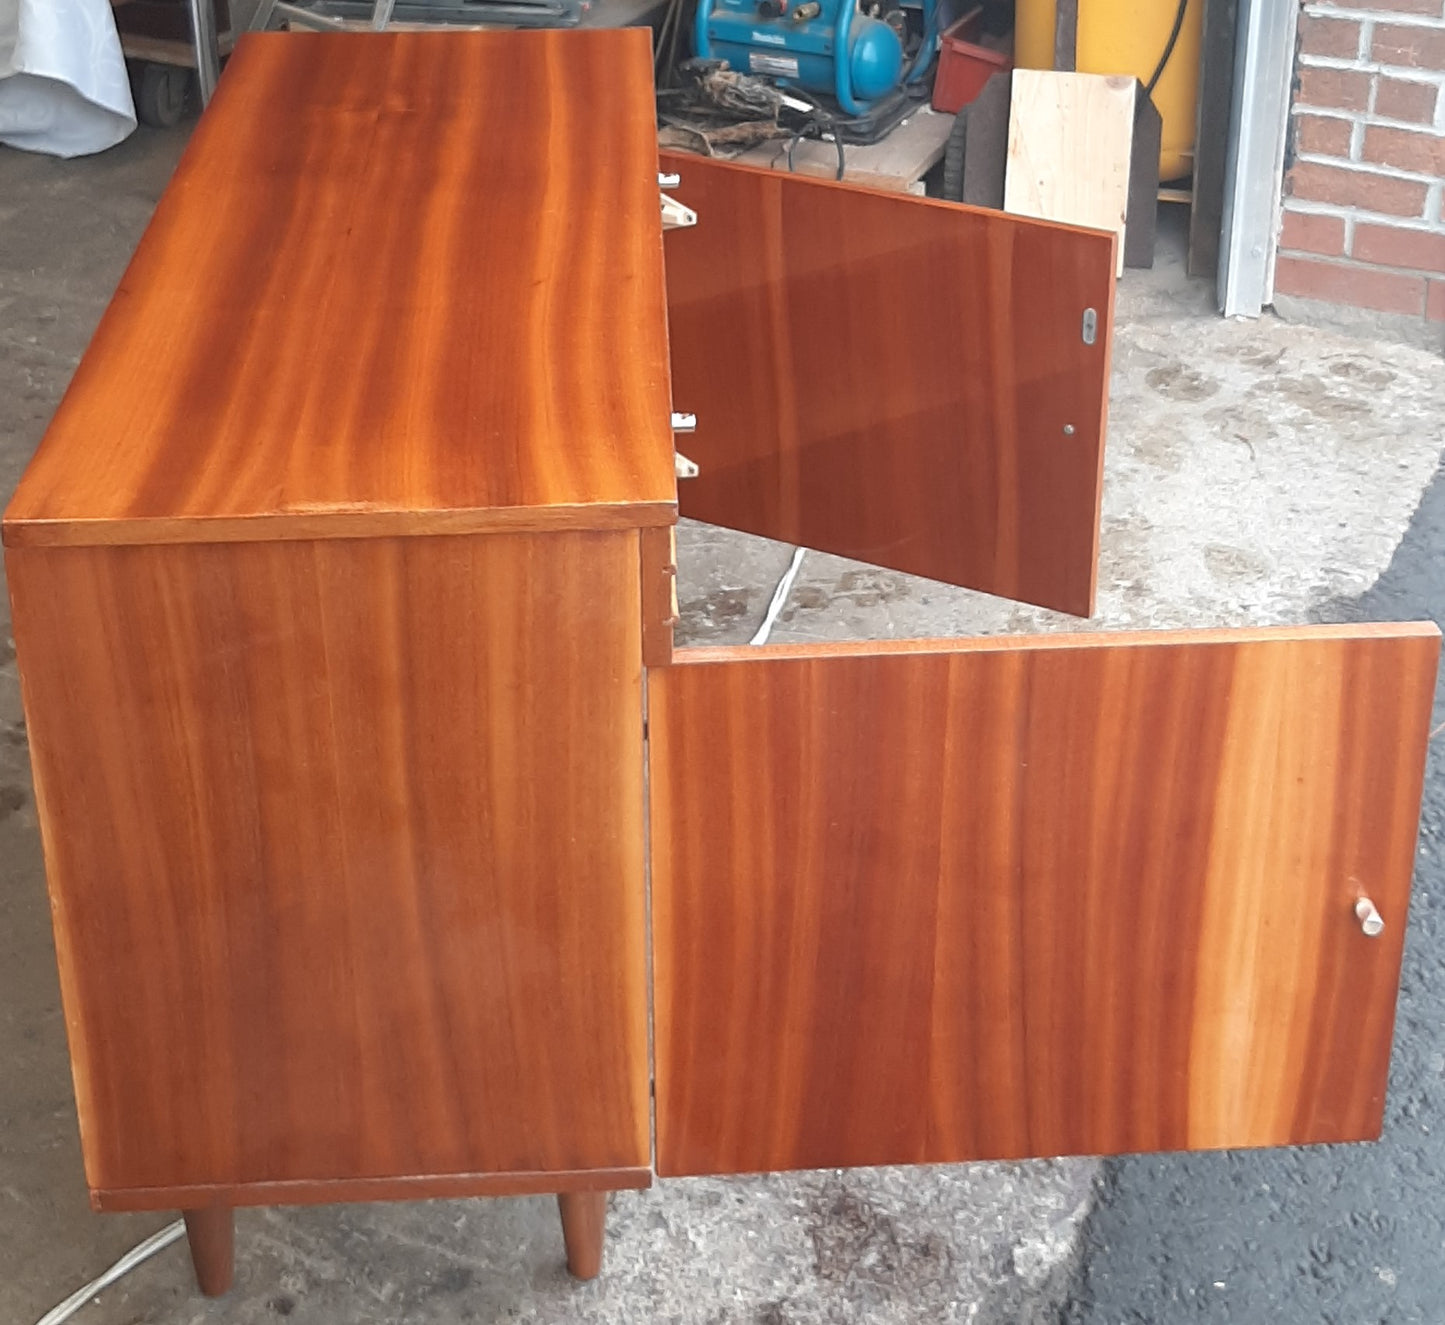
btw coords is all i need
(799, 54)
(1128, 37)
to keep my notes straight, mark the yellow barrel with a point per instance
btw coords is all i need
(1128, 37)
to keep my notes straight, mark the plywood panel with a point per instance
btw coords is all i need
(381, 296)
(345, 849)
(1070, 138)
(978, 900)
(893, 379)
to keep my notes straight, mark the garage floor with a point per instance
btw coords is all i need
(1255, 471)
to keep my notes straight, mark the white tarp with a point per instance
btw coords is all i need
(63, 84)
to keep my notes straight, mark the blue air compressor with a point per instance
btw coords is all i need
(824, 46)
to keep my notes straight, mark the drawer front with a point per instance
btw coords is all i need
(989, 899)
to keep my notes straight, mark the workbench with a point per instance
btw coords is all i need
(898, 161)
(395, 851)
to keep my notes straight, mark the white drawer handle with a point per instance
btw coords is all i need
(1370, 919)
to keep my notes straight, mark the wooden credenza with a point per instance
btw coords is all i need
(342, 592)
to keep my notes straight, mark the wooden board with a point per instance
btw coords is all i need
(1211, 135)
(985, 148)
(1069, 145)
(660, 612)
(1000, 898)
(380, 298)
(898, 163)
(1141, 221)
(1066, 33)
(898, 380)
(344, 843)
(165, 50)
(330, 1191)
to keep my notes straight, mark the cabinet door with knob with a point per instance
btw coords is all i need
(981, 899)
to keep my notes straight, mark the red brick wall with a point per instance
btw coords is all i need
(1362, 221)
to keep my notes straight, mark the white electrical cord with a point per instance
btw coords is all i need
(156, 1242)
(780, 596)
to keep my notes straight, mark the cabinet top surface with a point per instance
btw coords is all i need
(403, 282)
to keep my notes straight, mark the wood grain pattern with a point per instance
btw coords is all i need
(584, 1230)
(659, 594)
(1070, 139)
(891, 378)
(413, 1187)
(990, 899)
(211, 1233)
(380, 292)
(344, 842)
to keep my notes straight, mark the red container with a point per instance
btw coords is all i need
(963, 67)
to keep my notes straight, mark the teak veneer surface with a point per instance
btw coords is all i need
(896, 380)
(345, 849)
(410, 1187)
(992, 899)
(403, 282)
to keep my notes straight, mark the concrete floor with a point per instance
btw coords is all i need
(1255, 472)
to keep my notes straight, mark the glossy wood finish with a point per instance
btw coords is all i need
(413, 1187)
(891, 379)
(584, 1229)
(998, 898)
(659, 594)
(344, 842)
(211, 1233)
(380, 296)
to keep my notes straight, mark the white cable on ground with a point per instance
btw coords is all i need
(780, 596)
(156, 1242)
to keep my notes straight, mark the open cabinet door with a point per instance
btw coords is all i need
(956, 900)
(906, 382)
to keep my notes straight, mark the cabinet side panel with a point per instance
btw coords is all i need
(344, 842)
(1030, 898)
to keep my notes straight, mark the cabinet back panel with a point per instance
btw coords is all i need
(990, 899)
(344, 842)
(897, 380)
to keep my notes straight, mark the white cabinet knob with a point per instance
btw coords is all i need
(1370, 919)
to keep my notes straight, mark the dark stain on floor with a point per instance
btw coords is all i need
(12, 798)
(1179, 382)
(714, 614)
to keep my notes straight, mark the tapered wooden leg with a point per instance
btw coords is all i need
(584, 1225)
(212, 1235)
